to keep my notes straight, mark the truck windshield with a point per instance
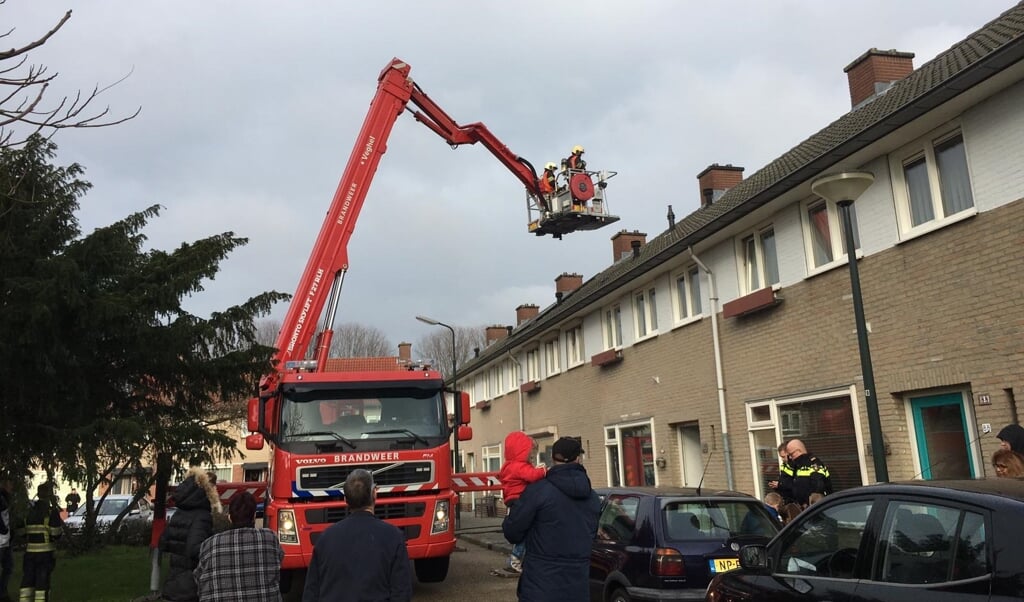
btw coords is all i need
(353, 417)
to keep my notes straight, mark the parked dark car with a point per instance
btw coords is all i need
(927, 541)
(667, 543)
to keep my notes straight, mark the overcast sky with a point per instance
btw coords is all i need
(250, 110)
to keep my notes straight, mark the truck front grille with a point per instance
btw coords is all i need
(384, 474)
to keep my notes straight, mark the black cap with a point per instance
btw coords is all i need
(567, 449)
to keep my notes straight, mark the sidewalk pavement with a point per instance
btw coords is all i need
(482, 531)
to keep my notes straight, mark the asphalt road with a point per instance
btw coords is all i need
(469, 578)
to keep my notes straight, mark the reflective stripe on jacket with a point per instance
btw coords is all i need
(41, 536)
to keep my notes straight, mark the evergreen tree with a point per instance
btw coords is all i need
(102, 367)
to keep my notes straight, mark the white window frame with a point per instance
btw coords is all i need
(574, 351)
(613, 437)
(533, 365)
(489, 453)
(760, 265)
(924, 147)
(686, 306)
(611, 325)
(837, 238)
(780, 405)
(552, 351)
(645, 312)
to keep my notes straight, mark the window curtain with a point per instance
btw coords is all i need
(821, 238)
(954, 180)
(916, 174)
(695, 301)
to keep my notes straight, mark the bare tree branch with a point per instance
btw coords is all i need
(28, 86)
(36, 44)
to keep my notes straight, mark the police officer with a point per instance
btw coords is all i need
(41, 527)
(810, 474)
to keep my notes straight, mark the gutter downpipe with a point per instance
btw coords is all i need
(519, 366)
(719, 376)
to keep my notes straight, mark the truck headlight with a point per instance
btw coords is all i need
(440, 524)
(286, 532)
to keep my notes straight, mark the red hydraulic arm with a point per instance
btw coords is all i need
(329, 259)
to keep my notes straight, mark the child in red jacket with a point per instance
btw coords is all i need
(515, 474)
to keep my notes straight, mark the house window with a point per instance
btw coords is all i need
(551, 352)
(931, 182)
(645, 308)
(491, 456)
(824, 424)
(824, 237)
(760, 263)
(630, 450)
(688, 300)
(516, 375)
(574, 345)
(533, 365)
(612, 326)
(497, 381)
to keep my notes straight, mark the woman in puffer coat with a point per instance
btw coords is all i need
(195, 499)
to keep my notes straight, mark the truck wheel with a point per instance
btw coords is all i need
(619, 595)
(432, 570)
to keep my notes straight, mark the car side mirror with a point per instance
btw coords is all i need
(754, 557)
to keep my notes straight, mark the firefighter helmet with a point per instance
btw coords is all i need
(577, 149)
(551, 166)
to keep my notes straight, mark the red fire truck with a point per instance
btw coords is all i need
(322, 423)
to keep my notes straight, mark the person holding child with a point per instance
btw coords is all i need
(515, 474)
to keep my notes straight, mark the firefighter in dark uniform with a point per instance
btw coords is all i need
(41, 527)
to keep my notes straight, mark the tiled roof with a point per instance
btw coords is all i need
(982, 54)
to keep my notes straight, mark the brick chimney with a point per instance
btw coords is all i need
(873, 72)
(405, 352)
(717, 179)
(526, 311)
(622, 243)
(495, 333)
(567, 283)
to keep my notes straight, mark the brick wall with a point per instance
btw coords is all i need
(946, 310)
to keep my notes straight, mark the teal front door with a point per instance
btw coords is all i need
(942, 437)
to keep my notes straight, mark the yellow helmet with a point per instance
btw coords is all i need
(577, 149)
(551, 166)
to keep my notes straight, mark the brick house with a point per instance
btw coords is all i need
(733, 330)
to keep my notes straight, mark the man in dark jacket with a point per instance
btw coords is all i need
(196, 499)
(810, 475)
(557, 518)
(360, 558)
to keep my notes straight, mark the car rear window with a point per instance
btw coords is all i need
(716, 519)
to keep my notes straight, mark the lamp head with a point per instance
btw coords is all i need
(427, 320)
(846, 186)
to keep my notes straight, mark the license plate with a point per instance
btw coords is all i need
(723, 565)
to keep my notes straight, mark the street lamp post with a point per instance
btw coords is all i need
(843, 189)
(456, 406)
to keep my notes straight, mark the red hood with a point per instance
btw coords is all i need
(518, 446)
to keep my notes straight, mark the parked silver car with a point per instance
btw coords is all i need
(113, 505)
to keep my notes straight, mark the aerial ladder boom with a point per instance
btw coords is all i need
(321, 281)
